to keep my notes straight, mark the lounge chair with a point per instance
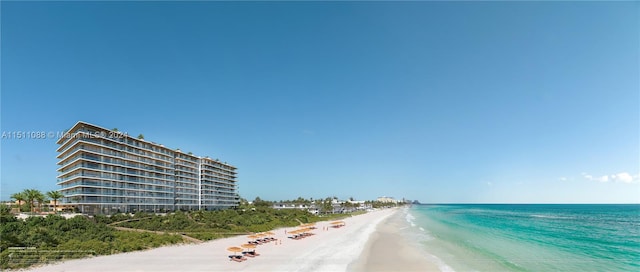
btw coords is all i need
(250, 254)
(237, 258)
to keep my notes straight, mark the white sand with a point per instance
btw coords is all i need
(328, 250)
(389, 250)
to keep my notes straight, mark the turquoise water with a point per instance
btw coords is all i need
(529, 237)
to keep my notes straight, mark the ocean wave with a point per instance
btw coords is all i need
(551, 216)
(442, 265)
(410, 218)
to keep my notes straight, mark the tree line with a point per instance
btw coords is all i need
(324, 205)
(28, 197)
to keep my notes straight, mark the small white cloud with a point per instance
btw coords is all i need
(489, 183)
(562, 179)
(622, 177)
(592, 178)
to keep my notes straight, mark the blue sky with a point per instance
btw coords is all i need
(534, 102)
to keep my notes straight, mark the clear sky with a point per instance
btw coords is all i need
(533, 102)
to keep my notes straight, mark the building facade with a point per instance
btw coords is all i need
(103, 171)
(386, 199)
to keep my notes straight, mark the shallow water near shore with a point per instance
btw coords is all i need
(528, 237)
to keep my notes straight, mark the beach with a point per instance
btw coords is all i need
(330, 249)
(388, 249)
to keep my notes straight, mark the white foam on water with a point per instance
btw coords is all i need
(440, 263)
(410, 218)
(551, 216)
(425, 235)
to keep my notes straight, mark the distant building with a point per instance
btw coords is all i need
(283, 206)
(103, 171)
(15, 205)
(385, 199)
(60, 207)
(337, 206)
(357, 202)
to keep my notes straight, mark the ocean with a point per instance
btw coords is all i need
(528, 237)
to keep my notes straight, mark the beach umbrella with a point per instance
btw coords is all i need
(248, 246)
(310, 226)
(253, 249)
(235, 249)
(269, 234)
(303, 230)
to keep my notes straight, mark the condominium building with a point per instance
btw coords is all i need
(102, 171)
(386, 199)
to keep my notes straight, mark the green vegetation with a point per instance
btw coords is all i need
(29, 196)
(44, 239)
(20, 198)
(207, 225)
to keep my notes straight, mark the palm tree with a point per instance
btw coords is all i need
(55, 195)
(19, 197)
(41, 200)
(31, 195)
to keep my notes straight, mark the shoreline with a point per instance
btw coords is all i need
(330, 249)
(389, 250)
